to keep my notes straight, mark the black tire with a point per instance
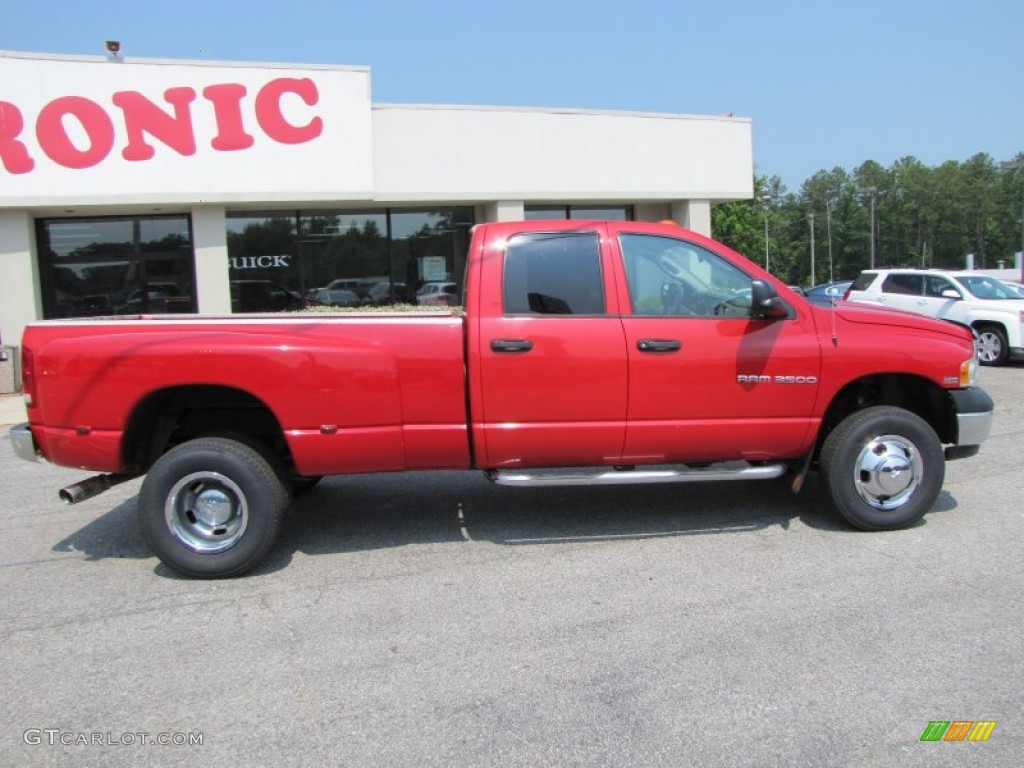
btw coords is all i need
(992, 345)
(883, 467)
(212, 507)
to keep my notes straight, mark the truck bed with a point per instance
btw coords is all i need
(350, 391)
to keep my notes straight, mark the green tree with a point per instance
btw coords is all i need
(924, 216)
(740, 224)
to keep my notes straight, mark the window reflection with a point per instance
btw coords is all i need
(116, 265)
(281, 260)
(606, 212)
(611, 212)
(263, 259)
(430, 254)
(344, 256)
(540, 212)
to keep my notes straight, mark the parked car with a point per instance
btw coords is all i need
(336, 297)
(584, 358)
(157, 298)
(558, 373)
(969, 298)
(263, 296)
(437, 294)
(380, 294)
(360, 286)
(823, 295)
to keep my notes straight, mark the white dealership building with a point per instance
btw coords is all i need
(140, 185)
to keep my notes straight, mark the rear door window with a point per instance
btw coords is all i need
(912, 285)
(555, 273)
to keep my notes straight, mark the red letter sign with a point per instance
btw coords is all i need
(268, 110)
(227, 100)
(142, 115)
(55, 141)
(12, 152)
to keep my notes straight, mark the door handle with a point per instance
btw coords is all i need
(511, 345)
(659, 345)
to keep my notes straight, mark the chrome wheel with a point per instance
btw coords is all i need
(887, 472)
(883, 467)
(212, 507)
(991, 346)
(207, 512)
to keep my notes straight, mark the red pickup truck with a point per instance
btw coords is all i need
(585, 352)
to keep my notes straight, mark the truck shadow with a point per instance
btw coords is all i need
(374, 511)
(368, 512)
(112, 535)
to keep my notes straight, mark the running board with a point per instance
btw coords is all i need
(538, 478)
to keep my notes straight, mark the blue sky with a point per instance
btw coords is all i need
(826, 84)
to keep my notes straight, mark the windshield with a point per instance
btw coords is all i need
(982, 287)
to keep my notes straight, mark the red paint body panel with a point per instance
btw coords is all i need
(365, 393)
(370, 376)
(691, 406)
(564, 402)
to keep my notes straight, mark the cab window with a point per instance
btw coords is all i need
(677, 278)
(935, 285)
(556, 273)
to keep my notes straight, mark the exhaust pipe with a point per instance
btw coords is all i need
(91, 486)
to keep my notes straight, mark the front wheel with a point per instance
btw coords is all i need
(992, 345)
(212, 507)
(883, 467)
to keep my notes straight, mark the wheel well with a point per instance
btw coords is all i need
(912, 393)
(172, 416)
(980, 325)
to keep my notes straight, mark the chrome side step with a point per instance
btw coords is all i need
(681, 473)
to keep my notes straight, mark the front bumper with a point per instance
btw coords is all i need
(973, 408)
(24, 443)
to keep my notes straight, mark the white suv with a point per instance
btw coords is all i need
(969, 298)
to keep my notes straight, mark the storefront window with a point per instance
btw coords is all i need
(611, 212)
(263, 259)
(538, 212)
(116, 266)
(344, 257)
(608, 212)
(429, 249)
(284, 260)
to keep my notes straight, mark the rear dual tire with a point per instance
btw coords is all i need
(212, 507)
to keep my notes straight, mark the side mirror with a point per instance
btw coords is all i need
(765, 302)
(951, 293)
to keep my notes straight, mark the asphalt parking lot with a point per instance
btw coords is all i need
(434, 619)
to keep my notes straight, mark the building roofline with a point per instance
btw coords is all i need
(378, 106)
(100, 59)
(89, 59)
